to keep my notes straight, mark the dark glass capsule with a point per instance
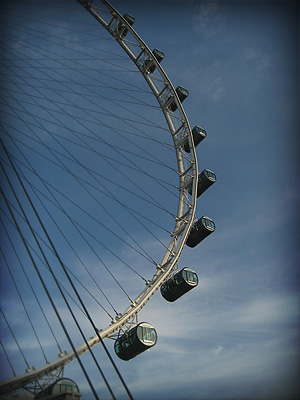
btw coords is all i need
(121, 28)
(198, 135)
(181, 283)
(205, 179)
(135, 341)
(182, 94)
(159, 55)
(56, 389)
(200, 230)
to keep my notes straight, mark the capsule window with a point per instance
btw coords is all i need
(208, 223)
(210, 175)
(182, 92)
(148, 334)
(190, 276)
(117, 347)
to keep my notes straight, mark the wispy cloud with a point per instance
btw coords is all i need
(218, 350)
(216, 89)
(208, 81)
(262, 60)
(208, 19)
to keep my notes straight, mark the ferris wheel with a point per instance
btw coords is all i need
(131, 336)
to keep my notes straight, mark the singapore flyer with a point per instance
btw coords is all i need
(110, 143)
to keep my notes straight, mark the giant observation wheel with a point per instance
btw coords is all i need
(169, 100)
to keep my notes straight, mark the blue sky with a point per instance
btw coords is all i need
(237, 335)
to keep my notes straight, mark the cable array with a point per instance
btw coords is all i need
(89, 188)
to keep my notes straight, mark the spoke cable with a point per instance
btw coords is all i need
(81, 179)
(42, 45)
(23, 304)
(75, 291)
(129, 209)
(127, 158)
(62, 286)
(30, 285)
(7, 358)
(55, 279)
(13, 335)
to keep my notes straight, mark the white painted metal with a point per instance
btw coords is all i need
(180, 130)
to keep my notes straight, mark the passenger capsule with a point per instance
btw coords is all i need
(134, 342)
(181, 283)
(200, 230)
(121, 28)
(205, 179)
(182, 94)
(198, 135)
(159, 55)
(57, 390)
